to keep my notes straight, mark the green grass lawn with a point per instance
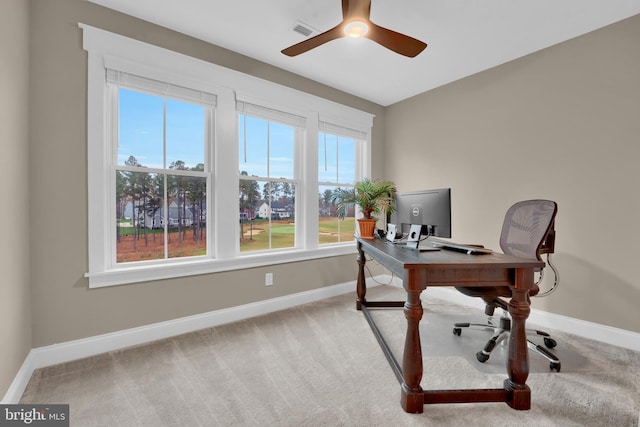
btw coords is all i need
(332, 230)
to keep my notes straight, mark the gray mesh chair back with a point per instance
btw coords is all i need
(526, 224)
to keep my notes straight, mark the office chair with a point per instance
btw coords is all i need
(527, 232)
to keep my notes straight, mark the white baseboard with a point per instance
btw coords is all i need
(19, 384)
(72, 350)
(78, 349)
(582, 328)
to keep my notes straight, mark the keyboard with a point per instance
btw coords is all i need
(451, 246)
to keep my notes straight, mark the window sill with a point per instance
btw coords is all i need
(145, 273)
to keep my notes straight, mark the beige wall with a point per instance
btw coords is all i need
(64, 308)
(15, 311)
(571, 110)
(562, 124)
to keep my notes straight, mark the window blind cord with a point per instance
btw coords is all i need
(244, 131)
(325, 151)
(337, 159)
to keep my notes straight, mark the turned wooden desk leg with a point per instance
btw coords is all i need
(518, 362)
(361, 284)
(412, 395)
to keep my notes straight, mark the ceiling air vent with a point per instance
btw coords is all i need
(302, 28)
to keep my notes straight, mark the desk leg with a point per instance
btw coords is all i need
(518, 362)
(361, 284)
(412, 395)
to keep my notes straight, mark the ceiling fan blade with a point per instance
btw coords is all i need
(322, 38)
(399, 43)
(354, 11)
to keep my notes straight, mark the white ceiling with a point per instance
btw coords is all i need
(463, 36)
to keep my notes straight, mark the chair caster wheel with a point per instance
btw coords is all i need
(555, 365)
(550, 342)
(457, 331)
(482, 357)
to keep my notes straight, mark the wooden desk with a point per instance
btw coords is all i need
(446, 268)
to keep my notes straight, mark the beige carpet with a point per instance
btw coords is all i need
(320, 365)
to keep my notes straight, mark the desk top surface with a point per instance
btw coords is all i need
(400, 257)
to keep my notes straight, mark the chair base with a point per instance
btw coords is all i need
(502, 331)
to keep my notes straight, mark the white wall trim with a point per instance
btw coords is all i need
(59, 353)
(19, 384)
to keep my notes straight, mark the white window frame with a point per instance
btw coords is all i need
(113, 51)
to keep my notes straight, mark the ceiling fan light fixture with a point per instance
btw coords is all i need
(356, 22)
(356, 29)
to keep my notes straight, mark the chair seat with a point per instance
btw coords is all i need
(489, 293)
(492, 293)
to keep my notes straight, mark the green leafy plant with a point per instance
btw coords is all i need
(373, 197)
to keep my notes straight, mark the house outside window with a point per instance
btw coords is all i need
(268, 142)
(338, 153)
(160, 171)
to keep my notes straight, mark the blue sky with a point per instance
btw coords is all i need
(141, 130)
(336, 159)
(279, 150)
(141, 136)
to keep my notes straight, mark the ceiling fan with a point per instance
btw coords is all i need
(356, 23)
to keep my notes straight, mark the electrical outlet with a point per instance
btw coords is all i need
(268, 279)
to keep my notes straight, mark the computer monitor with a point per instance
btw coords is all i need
(429, 208)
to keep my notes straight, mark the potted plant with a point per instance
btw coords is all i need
(373, 197)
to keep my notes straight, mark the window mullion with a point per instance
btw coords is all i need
(309, 160)
(269, 183)
(165, 233)
(210, 142)
(112, 160)
(225, 186)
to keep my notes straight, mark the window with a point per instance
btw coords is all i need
(194, 168)
(268, 142)
(161, 172)
(338, 150)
